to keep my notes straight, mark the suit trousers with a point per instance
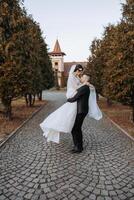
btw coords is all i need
(77, 131)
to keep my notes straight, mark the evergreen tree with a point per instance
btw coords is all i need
(112, 60)
(25, 68)
(10, 15)
(119, 74)
(95, 65)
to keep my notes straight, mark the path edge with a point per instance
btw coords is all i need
(13, 133)
(119, 127)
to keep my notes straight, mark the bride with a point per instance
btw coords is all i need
(62, 120)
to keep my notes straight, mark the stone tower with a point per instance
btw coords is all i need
(57, 59)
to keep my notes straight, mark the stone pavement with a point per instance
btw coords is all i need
(32, 169)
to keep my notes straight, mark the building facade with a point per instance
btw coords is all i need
(61, 69)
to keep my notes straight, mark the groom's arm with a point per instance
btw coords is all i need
(80, 92)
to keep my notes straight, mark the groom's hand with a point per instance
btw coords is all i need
(68, 100)
(71, 100)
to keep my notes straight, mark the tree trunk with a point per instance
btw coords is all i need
(133, 112)
(7, 107)
(26, 100)
(33, 100)
(56, 80)
(39, 95)
(8, 112)
(133, 105)
(30, 99)
(97, 96)
(109, 102)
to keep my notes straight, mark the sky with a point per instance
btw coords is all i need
(74, 22)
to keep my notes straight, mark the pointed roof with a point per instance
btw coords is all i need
(57, 49)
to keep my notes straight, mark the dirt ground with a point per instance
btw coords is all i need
(120, 114)
(20, 114)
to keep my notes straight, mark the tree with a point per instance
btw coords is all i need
(112, 58)
(120, 68)
(10, 14)
(128, 12)
(25, 68)
(47, 76)
(95, 65)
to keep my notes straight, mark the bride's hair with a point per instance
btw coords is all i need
(78, 67)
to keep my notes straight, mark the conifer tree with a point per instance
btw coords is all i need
(25, 68)
(10, 16)
(112, 59)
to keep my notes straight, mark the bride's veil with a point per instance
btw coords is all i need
(94, 111)
(72, 70)
(72, 83)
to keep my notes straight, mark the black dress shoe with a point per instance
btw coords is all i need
(77, 150)
(74, 148)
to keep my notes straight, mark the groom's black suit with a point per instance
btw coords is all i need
(82, 109)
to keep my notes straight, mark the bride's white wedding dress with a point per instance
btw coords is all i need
(62, 119)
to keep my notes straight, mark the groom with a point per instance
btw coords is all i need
(81, 97)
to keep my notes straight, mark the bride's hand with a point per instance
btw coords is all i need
(87, 83)
(91, 87)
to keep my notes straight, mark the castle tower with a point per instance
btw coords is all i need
(57, 59)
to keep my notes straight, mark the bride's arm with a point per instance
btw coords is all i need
(80, 92)
(87, 83)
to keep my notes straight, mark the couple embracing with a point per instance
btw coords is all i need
(81, 100)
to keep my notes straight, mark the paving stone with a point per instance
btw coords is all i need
(131, 198)
(73, 198)
(89, 189)
(93, 197)
(108, 198)
(97, 191)
(132, 190)
(28, 196)
(112, 193)
(120, 191)
(33, 169)
(115, 198)
(2, 197)
(104, 192)
(43, 197)
(109, 187)
(21, 194)
(100, 198)
(122, 197)
(128, 194)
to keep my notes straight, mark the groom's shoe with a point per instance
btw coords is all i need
(76, 150)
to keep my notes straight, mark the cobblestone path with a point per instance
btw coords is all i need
(32, 169)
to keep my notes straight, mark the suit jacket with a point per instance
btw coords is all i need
(81, 97)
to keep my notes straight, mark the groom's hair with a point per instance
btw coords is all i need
(87, 77)
(78, 67)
